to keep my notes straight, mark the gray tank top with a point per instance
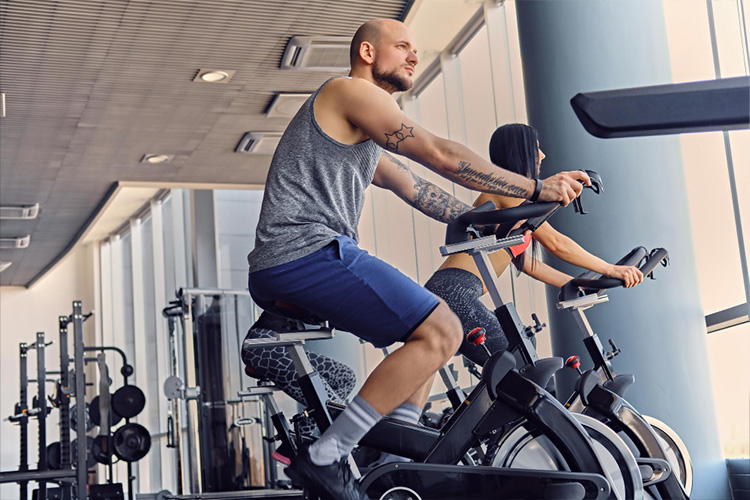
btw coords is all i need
(315, 191)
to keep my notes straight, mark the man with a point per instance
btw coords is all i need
(340, 141)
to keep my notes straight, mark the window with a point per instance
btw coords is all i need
(237, 214)
(709, 40)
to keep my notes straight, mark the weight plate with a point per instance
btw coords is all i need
(95, 413)
(90, 462)
(131, 442)
(74, 418)
(54, 456)
(173, 387)
(101, 449)
(128, 401)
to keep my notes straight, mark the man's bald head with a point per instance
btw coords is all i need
(371, 32)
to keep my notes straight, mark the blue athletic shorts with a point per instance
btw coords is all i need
(350, 288)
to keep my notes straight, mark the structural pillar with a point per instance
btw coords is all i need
(586, 45)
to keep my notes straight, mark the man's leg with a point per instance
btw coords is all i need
(407, 373)
(404, 375)
(361, 294)
(409, 411)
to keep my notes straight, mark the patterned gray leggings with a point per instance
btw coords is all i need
(274, 364)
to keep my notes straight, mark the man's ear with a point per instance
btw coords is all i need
(367, 52)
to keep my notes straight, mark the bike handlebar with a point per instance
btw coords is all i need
(634, 258)
(486, 215)
(577, 287)
(535, 213)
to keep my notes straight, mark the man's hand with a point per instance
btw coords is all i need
(564, 187)
(631, 275)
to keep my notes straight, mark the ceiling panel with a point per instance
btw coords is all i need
(91, 86)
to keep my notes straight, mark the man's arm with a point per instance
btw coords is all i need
(396, 176)
(373, 110)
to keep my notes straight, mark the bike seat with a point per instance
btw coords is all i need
(293, 311)
(253, 373)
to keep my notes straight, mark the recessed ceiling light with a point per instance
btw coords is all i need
(214, 75)
(4, 265)
(19, 211)
(286, 105)
(20, 242)
(156, 159)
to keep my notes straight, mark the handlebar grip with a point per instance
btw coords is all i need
(633, 258)
(589, 275)
(654, 259)
(532, 224)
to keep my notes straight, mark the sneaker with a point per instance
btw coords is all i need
(331, 482)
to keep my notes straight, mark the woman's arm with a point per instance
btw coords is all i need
(568, 250)
(545, 273)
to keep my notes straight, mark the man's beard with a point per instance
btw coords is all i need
(390, 80)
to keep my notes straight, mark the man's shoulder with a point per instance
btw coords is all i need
(350, 87)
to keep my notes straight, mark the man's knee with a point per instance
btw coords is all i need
(441, 330)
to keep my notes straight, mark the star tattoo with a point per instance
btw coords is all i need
(399, 135)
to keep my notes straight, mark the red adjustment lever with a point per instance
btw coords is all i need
(574, 362)
(476, 336)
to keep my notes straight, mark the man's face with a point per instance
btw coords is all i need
(395, 59)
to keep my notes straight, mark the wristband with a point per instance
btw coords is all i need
(537, 190)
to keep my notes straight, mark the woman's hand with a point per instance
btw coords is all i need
(631, 275)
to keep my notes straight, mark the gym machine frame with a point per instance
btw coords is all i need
(66, 475)
(183, 357)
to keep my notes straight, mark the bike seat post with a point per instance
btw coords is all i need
(299, 358)
(590, 338)
(482, 260)
(308, 378)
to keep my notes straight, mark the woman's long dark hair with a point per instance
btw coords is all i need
(515, 147)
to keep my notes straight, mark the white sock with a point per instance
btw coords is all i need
(406, 412)
(343, 435)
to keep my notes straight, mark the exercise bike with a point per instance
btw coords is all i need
(522, 445)
(662, 456)
(501, 398)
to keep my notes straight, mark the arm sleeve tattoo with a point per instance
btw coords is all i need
(430, 199)
(488, 180)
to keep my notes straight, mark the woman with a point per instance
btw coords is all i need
(514, 147)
